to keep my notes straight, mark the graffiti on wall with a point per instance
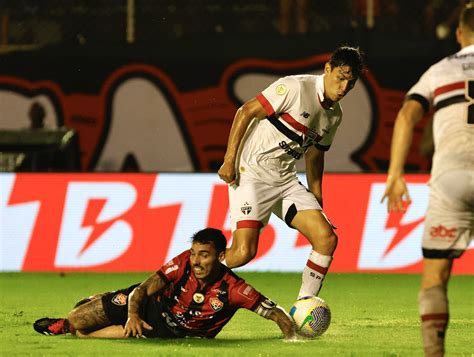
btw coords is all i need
(139, 113)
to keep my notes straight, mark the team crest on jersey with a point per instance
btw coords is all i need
(216, 304)
(281, 89)
(198, 298)
(246, 208)
(120, 299)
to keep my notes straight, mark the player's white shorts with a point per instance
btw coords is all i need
(449, 224)
(253, 201)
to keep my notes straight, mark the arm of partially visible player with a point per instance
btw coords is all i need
(271, 311)
(396, 190)
(244, 115)
(134, 325)
(314, 160)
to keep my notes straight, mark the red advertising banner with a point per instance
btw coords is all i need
(136, 222)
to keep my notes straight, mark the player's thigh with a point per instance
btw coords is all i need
(89, 316)
(301, 210)
(110, 309)
(449, 223)
(435, 272)
(251, 204)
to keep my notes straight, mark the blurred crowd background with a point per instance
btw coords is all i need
(67, 64)
(43, 22)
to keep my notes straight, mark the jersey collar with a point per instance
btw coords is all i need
(467, 49)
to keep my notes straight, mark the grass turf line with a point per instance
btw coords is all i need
(372, 315)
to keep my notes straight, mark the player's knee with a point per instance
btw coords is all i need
(434, 278)
(74, 319)
(329, 241)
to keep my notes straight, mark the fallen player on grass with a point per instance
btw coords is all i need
(192, 295)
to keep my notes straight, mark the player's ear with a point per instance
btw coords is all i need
(459, 34)
(327, 68)
(221, 256)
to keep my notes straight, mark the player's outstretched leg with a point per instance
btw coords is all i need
(51, 326)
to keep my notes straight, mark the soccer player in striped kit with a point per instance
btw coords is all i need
(192, 295)
(448, 88)
(295, 117)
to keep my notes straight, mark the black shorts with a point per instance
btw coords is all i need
(115, 306)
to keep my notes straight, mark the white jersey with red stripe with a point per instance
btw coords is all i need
(448, 87)
(295, 121)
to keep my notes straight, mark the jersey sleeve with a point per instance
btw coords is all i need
(279, 96)
(174, 269)
(422, 91)
(243, 295)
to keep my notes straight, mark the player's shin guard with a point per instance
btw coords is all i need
(433, 305)
(314, 273)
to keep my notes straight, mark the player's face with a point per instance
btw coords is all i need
(338, 81)
(204, 260)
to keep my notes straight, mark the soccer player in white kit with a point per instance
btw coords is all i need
(448, 88)
(295, 117)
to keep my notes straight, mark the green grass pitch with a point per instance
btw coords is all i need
(372, 315)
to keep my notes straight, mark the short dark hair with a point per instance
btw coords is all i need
(348, 56)
(211, 235)
(466, 17)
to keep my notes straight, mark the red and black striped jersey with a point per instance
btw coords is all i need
(202, 311)
(295, 121)
(448, 88)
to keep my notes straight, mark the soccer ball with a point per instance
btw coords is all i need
(312, 316)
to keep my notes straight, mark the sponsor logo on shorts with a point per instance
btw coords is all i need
(305, 115)
(216, 304)
(120, 299)
(442, 232)
(246, 208)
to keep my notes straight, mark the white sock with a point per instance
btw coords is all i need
(314, 273)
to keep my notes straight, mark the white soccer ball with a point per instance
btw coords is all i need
(312, 316)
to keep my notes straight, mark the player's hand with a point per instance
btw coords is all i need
(397, 195)
(134, 326)
(285, 322)
(227, 173)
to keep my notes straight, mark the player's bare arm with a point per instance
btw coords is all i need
(135, 325)
(314, 160)
(244, 115)
(271, 311)
(396, 190)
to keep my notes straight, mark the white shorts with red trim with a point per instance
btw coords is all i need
(253, 201)
(449, 223)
